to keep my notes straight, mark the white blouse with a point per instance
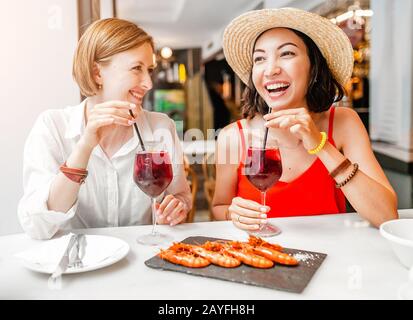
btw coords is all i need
(109, 197)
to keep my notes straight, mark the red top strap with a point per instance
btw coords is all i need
(243, 150)
(330, 124)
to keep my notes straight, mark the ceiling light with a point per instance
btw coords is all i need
(166, 52)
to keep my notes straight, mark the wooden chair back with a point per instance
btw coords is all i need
(208, 170)
(193, 184)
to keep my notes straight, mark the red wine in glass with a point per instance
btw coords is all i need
(263, 168)
(152, 173)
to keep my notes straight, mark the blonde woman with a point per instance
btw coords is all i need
(112, 65)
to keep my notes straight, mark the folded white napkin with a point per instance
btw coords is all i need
(47, 255)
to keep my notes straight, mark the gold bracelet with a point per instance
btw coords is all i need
(321, 145)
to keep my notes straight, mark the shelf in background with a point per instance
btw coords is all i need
(393, 158)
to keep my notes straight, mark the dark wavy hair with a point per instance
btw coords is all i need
(323, 89)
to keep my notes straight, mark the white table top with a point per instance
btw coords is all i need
(360, 265)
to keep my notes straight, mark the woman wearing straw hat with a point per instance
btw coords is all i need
(296, 63)
(113, 63)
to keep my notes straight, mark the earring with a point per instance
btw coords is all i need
(100, 87)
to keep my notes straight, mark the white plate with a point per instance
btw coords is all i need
(94, 242)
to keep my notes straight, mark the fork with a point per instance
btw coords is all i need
(80, 243)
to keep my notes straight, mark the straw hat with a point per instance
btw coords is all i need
(240, 36)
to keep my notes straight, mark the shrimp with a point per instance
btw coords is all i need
(179, 255)
(256, 241)
(215, 257)
(245, 255)
(269, 251)
(276, 256)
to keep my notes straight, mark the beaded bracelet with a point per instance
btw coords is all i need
(321, 145)
(350, 176)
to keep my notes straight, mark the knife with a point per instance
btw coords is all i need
(83, 243)
(64, 261)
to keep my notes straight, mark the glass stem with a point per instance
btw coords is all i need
(263, 196)
(153, 215)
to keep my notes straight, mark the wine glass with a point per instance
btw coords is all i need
(152, 173)
(263, 169)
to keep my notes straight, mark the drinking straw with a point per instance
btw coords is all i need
(137, 132)
(266, 133)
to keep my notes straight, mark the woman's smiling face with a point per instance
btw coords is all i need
(281, 68)
(127, 76)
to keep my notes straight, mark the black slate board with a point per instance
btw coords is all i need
(291, 279)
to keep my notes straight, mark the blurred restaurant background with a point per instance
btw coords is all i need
(193, 84)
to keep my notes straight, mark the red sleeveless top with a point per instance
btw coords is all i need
(312, 193)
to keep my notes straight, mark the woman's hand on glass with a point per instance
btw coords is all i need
(105, 114)
(247, 214)
(299, 122)
(171, 211)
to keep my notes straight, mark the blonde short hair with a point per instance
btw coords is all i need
(101, 40)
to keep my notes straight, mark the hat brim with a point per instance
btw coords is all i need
(242, 32)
